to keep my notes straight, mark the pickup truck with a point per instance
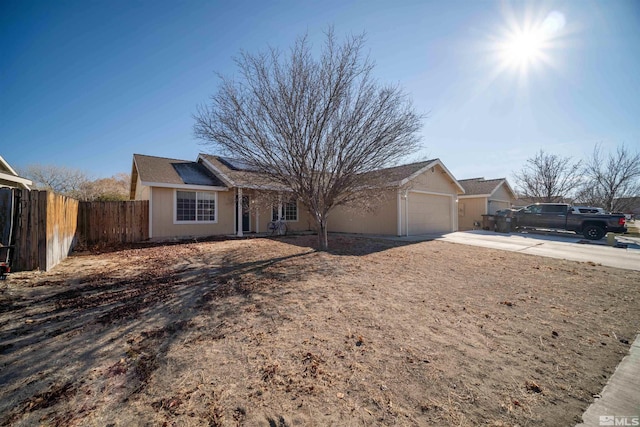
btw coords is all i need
(558, 216)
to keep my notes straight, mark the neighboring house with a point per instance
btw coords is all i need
(9, 177)
(201, 199)
(482, 197)
(630, 205)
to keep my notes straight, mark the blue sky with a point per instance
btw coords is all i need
(85, 84)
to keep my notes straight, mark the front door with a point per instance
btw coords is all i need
(246, 214)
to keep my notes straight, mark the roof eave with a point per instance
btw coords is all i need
(184, 186)
(436, 162)
(468, 196)
(18, 180)
(215, 170)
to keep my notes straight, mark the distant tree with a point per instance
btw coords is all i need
(316, 126)
(548, 177)
(76, 183)
(59, 179)
(613, 179)
(115, 188)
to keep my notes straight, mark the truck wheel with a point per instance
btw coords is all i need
(593, 232)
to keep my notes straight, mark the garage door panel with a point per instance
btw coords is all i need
(429, 213)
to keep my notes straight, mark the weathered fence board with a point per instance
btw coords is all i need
(113, 222)
(44, 230)
(61, 225)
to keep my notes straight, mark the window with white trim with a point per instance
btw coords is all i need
(195, 206)
(289, 211)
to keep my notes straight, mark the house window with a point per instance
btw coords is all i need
(195, 206)
(289, 211)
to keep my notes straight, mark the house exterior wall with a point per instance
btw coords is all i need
(502, 194)
(261, 216)
(470, 209)
(142, 191)
(436, 181)
(162, 208)
(496, 205)
(426, 204)
(382, 220)
(501, 199)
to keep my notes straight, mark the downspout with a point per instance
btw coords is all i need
(239, 214)
(258, 219)
(406, 210)
(151, 212)
(454, 213)
(399, 212)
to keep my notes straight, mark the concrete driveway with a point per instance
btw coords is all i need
(568, 246)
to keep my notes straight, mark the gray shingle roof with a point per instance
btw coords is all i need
(477, 186)
(395, 174)
(240, 174)
(174, 171)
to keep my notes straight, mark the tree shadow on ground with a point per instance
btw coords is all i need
(348, 244)
(68, 337)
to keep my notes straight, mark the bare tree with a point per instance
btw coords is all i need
(548, 177)
(316, 126)
(613, 178)
(58, 179)
(115, 188)
(76, 183)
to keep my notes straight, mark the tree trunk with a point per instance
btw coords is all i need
(323, 238)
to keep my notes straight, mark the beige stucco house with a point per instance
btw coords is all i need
(482, 197)
(420, 198)
(200, 198)
(9, 177)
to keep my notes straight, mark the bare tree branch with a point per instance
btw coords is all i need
(613, 178)
(76, 183)
(548, 177)
(316, 126)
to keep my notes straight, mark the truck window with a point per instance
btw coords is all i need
(533, 209)
(554, 209)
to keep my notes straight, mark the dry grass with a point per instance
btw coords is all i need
(264, 332)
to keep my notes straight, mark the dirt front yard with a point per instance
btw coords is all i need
(269, 332)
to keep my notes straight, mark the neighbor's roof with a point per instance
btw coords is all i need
(164, 172)
(10, 177)
(483, 187)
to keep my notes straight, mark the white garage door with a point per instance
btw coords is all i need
(429, 213)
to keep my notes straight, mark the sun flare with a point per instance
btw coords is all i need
(528, 45)
(524, 48)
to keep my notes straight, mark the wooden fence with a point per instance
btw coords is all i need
(113, 222)
(47, 226)
(45, 229)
